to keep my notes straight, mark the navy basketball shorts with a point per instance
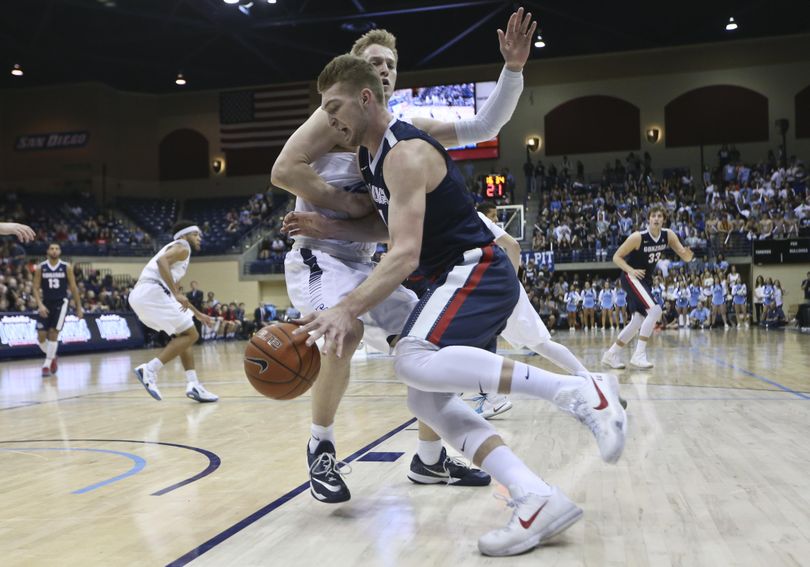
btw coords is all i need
(639, 294)
(56, 315)
(469, 304)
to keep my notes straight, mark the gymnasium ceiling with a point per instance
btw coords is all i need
(141, 45)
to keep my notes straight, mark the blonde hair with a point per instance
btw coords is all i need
(657, 209)
(354, 71)
(375, 37)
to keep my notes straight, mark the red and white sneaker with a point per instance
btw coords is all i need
(54, 365)
(596, 404)
(536, 520)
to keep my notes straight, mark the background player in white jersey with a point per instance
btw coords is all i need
(637, 257)
(157, 302)
(51, 282)
(320, 271)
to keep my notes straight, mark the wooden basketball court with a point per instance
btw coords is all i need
(95, 472)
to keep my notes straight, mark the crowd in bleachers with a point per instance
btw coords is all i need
(734, 203)
(702, 294)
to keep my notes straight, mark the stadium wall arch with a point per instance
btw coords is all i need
(802, 102)
(595, 123)
(183, 154)
(716, 114)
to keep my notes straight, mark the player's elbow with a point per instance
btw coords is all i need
(280, 173)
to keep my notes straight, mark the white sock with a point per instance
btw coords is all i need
(50, 352)
(429, 451)
(154, 365)
(320, 433)
(43, 346)
(641, 347)
(509, 470)
(540, 383)
(191, 376)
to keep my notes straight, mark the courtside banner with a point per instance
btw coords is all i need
(52, 141)
(544, 259)
(95, 332)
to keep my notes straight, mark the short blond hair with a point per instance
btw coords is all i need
(657, 208)
(355, 72)
(375, 37)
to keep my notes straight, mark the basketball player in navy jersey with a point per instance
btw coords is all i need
(467, 288)
(637, 257)
(319, 272)
(51, 282)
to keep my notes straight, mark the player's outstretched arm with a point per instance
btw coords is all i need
(23, 232)
(515, 44)
(292, 171)
(632, 243)
(674, 242)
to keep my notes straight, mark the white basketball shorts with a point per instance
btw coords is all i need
(525, 328)
(157, 308)
(317, 281)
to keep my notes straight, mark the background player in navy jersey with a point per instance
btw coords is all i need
(637, 257)
(51, 282)
(467, 288)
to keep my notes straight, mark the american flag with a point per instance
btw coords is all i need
(262, 118)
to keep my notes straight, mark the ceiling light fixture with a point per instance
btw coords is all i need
(539, 43)
(180, 80)
(271, 1)
(731, 25)
(16, 70)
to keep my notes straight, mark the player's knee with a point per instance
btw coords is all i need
(191, 333)
(655, 311)
(412, 358)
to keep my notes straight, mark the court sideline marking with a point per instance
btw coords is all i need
(257, 515)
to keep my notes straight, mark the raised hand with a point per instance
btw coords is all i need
(516, 42)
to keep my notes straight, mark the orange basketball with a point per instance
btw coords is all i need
(279, 364)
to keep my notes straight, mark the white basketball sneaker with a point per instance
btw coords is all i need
(536, 520)
(639, 360)
(197, 391)
(490, 405)
(148, 378)
(612, 360)
(596, 404)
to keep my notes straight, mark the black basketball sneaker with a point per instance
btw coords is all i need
(325, 477)
(446, 471)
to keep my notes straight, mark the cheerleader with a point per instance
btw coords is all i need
(620, 304)
(682, 298)
(588, 297)
(607, 303)
(739, 293)
(718, 302)
(571, 300)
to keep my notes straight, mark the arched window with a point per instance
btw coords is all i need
(595, 123)
(183, 155)
(717, 114)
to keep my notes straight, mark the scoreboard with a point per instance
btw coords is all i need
(787, 251)
(494, 186)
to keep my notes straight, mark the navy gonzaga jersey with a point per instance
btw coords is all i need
(451, 223)
(649, 253)
(54, 282)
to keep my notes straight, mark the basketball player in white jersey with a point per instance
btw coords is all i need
(638, 257)
(51, 282)
(319, 272)
(159, 305)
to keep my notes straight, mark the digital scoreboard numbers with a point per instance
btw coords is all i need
(494, 186)
(787, 251)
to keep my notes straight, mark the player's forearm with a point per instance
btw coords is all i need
(301, 180)
(384, 279)
(495, 112)
(622, 263)
(369, 228)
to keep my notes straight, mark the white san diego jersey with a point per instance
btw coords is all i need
(178, 269)
(340, 170)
